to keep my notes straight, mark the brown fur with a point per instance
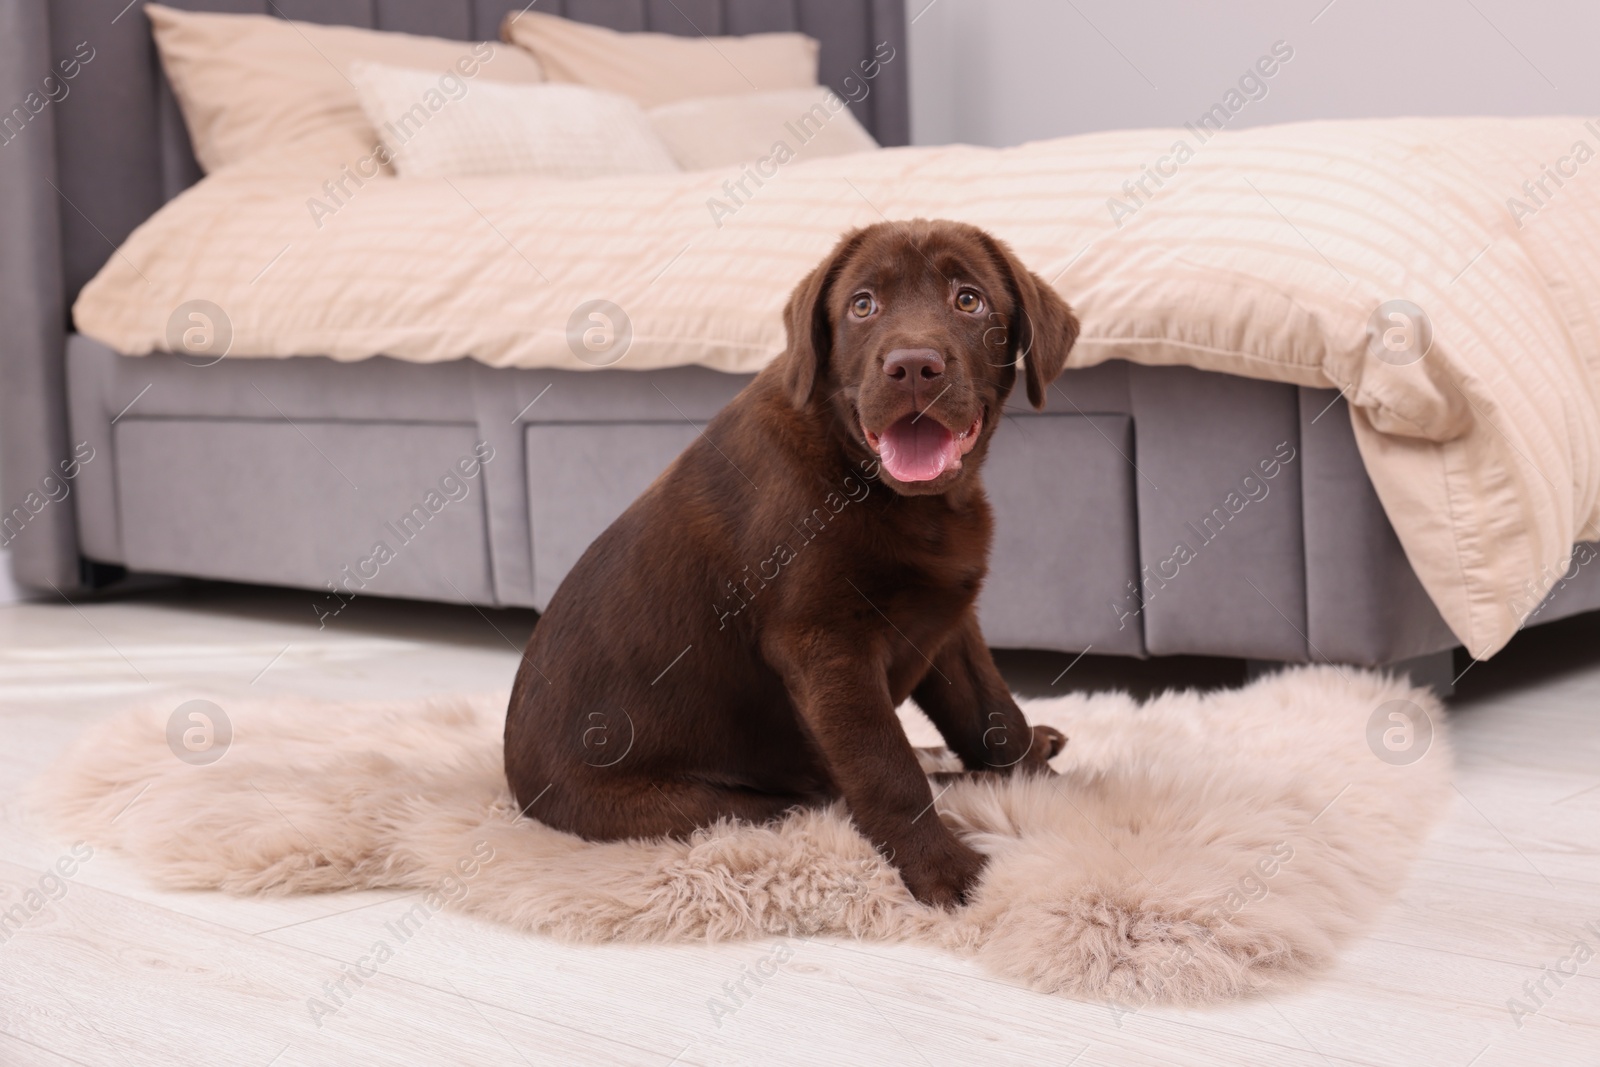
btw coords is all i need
(735, 644)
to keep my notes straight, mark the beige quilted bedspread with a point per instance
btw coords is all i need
(1265, 253)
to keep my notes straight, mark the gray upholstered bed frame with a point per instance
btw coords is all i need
(292, 471)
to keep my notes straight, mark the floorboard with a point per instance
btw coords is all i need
(118, 972)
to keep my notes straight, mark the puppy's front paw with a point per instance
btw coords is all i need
(1043, 746)
(1049, 741)
(942, 877)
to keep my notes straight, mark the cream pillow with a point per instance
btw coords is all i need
(725, 131)
(562, 131)
(249, 84)
(659, 68)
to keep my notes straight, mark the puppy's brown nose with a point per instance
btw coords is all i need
(911, 365)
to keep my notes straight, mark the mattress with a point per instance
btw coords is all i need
(1440, 273)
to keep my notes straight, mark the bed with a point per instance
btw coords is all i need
(286, 471)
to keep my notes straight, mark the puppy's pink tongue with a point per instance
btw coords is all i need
(918, 450)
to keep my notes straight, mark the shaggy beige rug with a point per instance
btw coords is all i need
(1195, 848)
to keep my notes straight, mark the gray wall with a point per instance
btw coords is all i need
(1001, 72)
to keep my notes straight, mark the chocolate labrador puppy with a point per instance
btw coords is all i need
(736, 643)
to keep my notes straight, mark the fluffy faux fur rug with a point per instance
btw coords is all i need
(1194, 848)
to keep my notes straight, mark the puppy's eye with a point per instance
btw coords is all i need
(863, 305)
(969, 301)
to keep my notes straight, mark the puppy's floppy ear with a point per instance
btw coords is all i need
(1042, 329)
(807, 323)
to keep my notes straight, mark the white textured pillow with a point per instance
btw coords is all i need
(725, 131)
(433, 126)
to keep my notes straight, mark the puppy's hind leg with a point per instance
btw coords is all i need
(642, 807)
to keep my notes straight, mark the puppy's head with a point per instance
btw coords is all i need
(908, 338)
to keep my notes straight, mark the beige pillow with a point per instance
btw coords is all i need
(249, 84)
(726, 131)
(659, 68)
(563, 131)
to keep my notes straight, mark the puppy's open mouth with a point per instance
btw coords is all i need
(918, 449)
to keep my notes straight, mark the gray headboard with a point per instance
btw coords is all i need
(80, 172)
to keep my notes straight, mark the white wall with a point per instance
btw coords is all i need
(1001, 72)
(9, 593)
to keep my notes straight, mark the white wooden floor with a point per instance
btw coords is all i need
(119, 974)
